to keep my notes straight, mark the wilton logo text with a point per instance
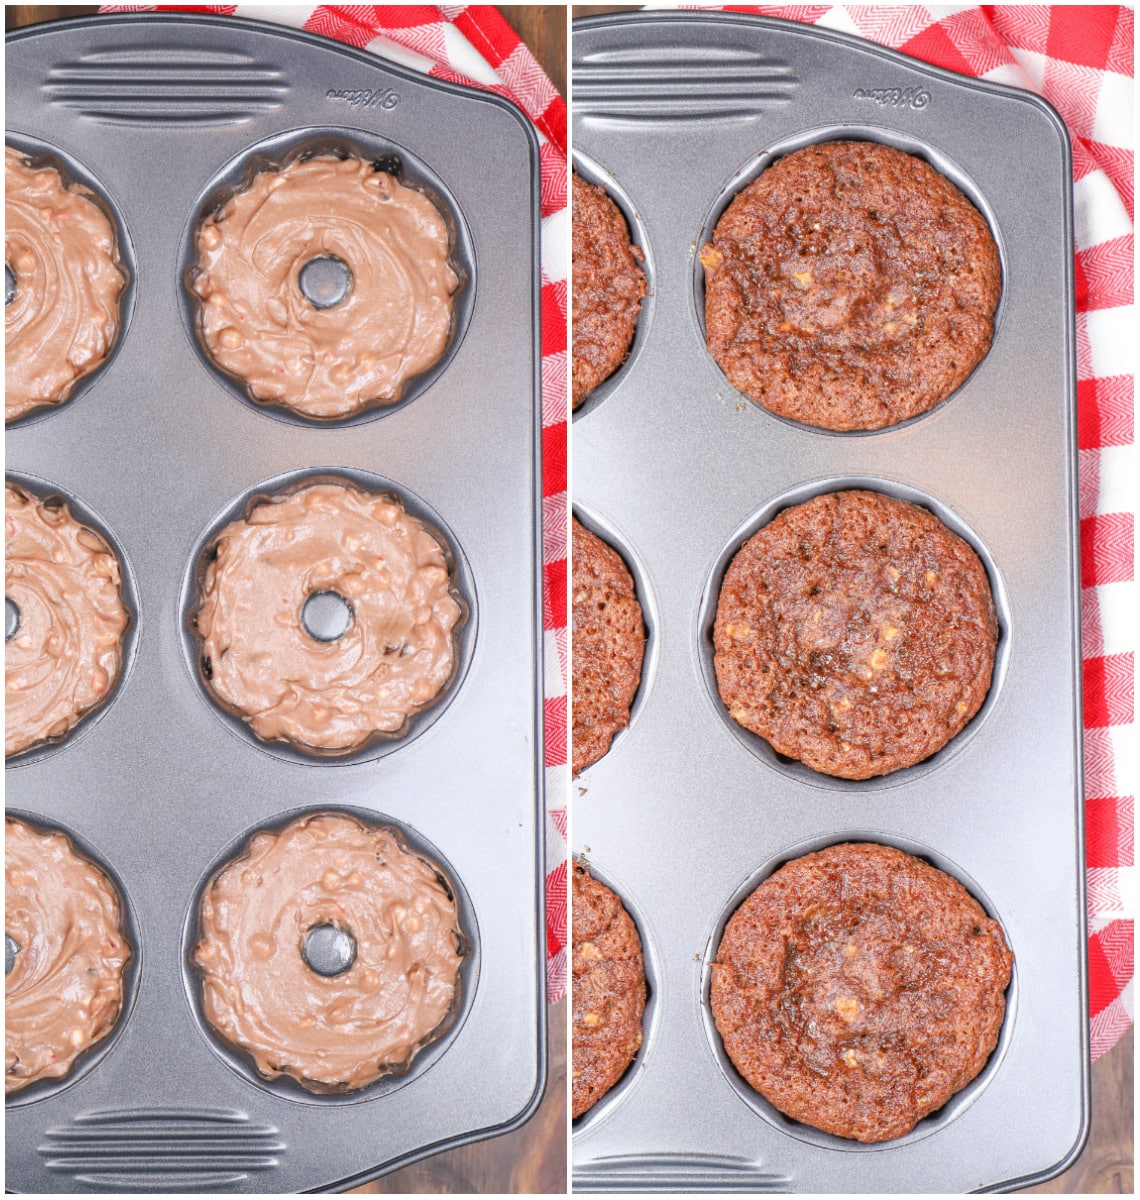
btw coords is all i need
(365, 97)
(910, 97)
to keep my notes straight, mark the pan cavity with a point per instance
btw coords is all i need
(325, 281)
(326, 616)
(758, 746)
(334, 620)
(329, 950)
(36, 945)
(78, 180)
(654, 981)
(20, 622)
(591, 172)
(753, 168)
(646, 598)
(330, 286)
(936, 1121)
(339, 949)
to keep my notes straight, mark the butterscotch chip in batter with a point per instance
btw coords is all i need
(859, 988)
(334, 1021)
(850, 286)
(856, 633)
(609, 286)
(325, 286)
(62, 583)
(386, 575)
(63, 285)
(65, 991)
(609, 644)
(608, 990)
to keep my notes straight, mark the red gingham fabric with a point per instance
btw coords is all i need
(1080, 58)
(474, 45)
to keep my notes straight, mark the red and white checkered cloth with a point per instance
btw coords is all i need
(474, 45)
(1080, 58)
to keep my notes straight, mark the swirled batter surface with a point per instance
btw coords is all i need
(68, 648)
(325, 362)
(333, 696)
(61, 322)
(329, 1032)
(65, 990)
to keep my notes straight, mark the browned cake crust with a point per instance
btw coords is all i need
(850, 286)
(856, 633)
(608, 990)
(609, 286)
(859, 988)
(609, 644)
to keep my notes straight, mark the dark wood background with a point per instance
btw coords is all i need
(1106, 1165)
(533, 1158)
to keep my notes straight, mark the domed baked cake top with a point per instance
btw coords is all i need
(850, 286)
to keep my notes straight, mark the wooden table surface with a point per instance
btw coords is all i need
(533, 1158)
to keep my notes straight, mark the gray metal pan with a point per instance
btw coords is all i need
(161, 114)
(675, 112)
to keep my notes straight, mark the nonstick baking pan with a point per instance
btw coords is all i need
(673, 114)
(160, 114)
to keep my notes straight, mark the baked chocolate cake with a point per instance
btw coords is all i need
(859, 988)
(608, 990)
(856, 633)
(850, 286)
(609, 286)
(609, 644)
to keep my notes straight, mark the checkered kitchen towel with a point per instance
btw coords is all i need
(1080, 58)
(474, 45)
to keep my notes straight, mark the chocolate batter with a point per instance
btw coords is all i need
(329, 1032)
(859, 988)
(850, 286)
(67, 651)
(63, 317)
(389, 247)
(856, 633)
(65, 990)
(395, 657)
